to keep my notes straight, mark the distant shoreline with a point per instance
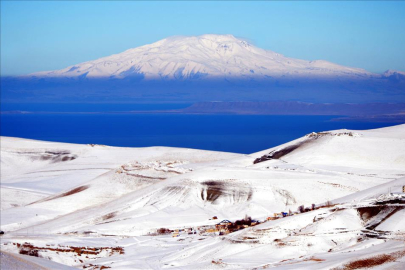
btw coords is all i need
(377, 112)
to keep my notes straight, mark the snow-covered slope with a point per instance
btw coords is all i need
(369, 150)
(21, 262)
(375, 192)
(206, 56)
(113, 200)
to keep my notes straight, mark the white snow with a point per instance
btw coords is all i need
(60, 196)
(206, 56)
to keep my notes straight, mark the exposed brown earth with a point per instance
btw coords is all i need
(372, 261)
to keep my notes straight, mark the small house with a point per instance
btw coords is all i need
(223, 224)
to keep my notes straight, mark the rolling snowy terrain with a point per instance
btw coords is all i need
(95, 206)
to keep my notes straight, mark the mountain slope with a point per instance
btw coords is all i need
(206, 56)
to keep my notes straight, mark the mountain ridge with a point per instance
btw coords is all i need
(205, 56)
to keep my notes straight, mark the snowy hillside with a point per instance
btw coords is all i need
(206, 56)
(89, 206)
(369, 149)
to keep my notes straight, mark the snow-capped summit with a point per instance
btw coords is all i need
(206, 56)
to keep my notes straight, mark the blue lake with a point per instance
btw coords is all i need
(231, 133)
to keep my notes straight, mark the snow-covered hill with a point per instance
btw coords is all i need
(206, 56)
(367, 149)
(89, 206)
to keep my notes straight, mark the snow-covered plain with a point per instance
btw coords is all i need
(93, 206)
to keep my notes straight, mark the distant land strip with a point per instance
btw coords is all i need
(385, 112)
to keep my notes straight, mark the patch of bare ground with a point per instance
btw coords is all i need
(95, 267)
(314, 259)
(290, 261)
(80, 253)
(109, 216)
(26, 250)
(52, 156)
(277, 154)
(372, 261)
(65, 194)
(31, 250)
(218, 262)
(72, 191)
(213, 190)
(279, 243)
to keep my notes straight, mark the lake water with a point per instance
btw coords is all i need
(231, 133)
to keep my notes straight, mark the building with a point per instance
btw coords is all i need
(176, 233)
(223, 224)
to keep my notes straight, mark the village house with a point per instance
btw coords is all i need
(176, 233)
(223, 224)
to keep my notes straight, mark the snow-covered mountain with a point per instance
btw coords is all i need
(206, 56)
(204, 68)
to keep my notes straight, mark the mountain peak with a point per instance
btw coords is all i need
(208, 37)
(199, 57)
(213, 37)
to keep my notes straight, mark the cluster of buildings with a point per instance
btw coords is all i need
(221, 228)
(186, 231)
(226, 226)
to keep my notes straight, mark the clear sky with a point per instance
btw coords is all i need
(38, 36)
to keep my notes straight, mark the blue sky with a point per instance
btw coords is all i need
(37, 36)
